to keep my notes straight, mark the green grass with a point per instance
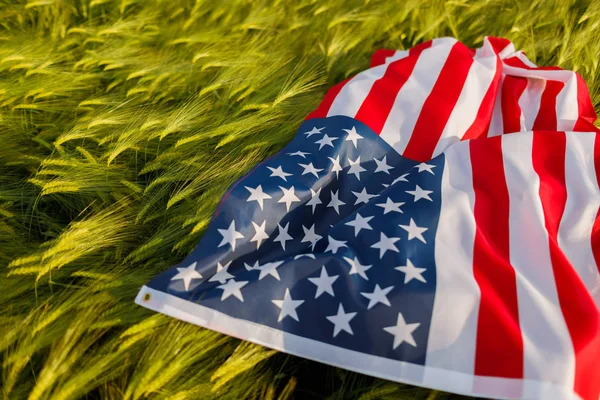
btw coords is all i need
(123, 122)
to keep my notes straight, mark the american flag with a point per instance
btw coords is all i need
(403, 234)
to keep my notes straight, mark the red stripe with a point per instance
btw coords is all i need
(439, 104)
(587, 114)
(323, 109)
(379, 57)
(512, 89)
(499, 344)
(577, 306)
(498, 44)
(376, 107)
(546, 118)
(481, 125)
(515, 61)
(596, 227)
(421, 46)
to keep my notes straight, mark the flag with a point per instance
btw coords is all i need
(434, 222)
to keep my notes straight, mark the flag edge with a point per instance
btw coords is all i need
(379, 367)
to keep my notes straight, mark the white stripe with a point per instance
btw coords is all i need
(453, 331)
(386, 368)
(497, 123)
(507, 51)
(409, 101)
(530, 102)
(354, 93)
(567, 107)
(398, 55)
(583, 202)
(547, 347)
(479, 79)
(548, 74)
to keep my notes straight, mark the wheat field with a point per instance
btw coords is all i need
(123, 122)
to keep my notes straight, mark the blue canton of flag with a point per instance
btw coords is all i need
(330, 240)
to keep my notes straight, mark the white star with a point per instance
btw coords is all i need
(289, 197)
(382, 166)
(334, 245)
(259, 234)
(283, 235)
(341, 321)
(310, 169)
(336, 166)
(279, 173)
(257, 195)
(326, 141)
(414, 231)
(222, 273)
(358, 268)
(252, 267)
(232, 288)
(378, 295)
(355, 168)
(335, 202)
(402, 332)
(324, 283)
(187, 274)
(298, 153)
(314, 200)
(425, 167)
(307, 255)
(313, 131)
(390, 206)
(288, 306)
(385, 243)
(311, 236)
(363, 196)
(420, 194)
(412, 272)
(360, 222)
(230, 235)
(269, 269)
(353, 136)
(401, 178)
